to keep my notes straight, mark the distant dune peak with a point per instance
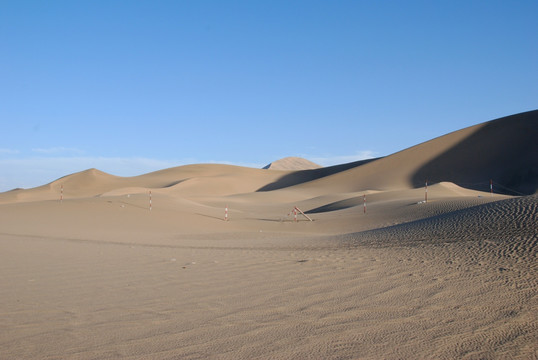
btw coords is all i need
(292, 163)
(85, 174)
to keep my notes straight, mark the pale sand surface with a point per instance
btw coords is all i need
(459, 284)
(100, 276)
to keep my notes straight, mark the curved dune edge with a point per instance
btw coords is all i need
(502, 150)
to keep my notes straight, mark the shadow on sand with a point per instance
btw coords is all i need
(504, 150)
(302, 176)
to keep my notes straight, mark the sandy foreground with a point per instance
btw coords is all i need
(459, 284)
(88, 271)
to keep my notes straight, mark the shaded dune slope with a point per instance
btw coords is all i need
(303, 176)
(504, 150)
(442, 190)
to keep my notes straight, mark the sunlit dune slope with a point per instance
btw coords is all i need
(503, 150)
(199, 179)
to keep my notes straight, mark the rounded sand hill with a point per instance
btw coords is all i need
(292, 163)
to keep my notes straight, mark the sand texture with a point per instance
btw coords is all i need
(98, 275)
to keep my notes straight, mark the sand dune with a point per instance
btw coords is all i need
(292, 163)
(504, 150)
(100, 275)
(203, 178)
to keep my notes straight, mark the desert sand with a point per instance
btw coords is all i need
(292, 163)
(100, 275)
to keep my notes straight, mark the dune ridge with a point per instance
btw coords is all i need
(503, 150)
(291, 163)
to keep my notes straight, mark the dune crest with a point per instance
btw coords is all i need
(502, 150)
(292, 163)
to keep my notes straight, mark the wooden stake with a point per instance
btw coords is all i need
(297, 209)
(426, 193)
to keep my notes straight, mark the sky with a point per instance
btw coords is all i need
(130, 87)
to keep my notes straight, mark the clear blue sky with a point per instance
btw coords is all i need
(134, 86)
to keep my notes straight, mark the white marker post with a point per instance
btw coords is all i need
(364, 202)
(226, 213)
(302, 213)
(426, 192)
(150, 200)
(295, 214)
